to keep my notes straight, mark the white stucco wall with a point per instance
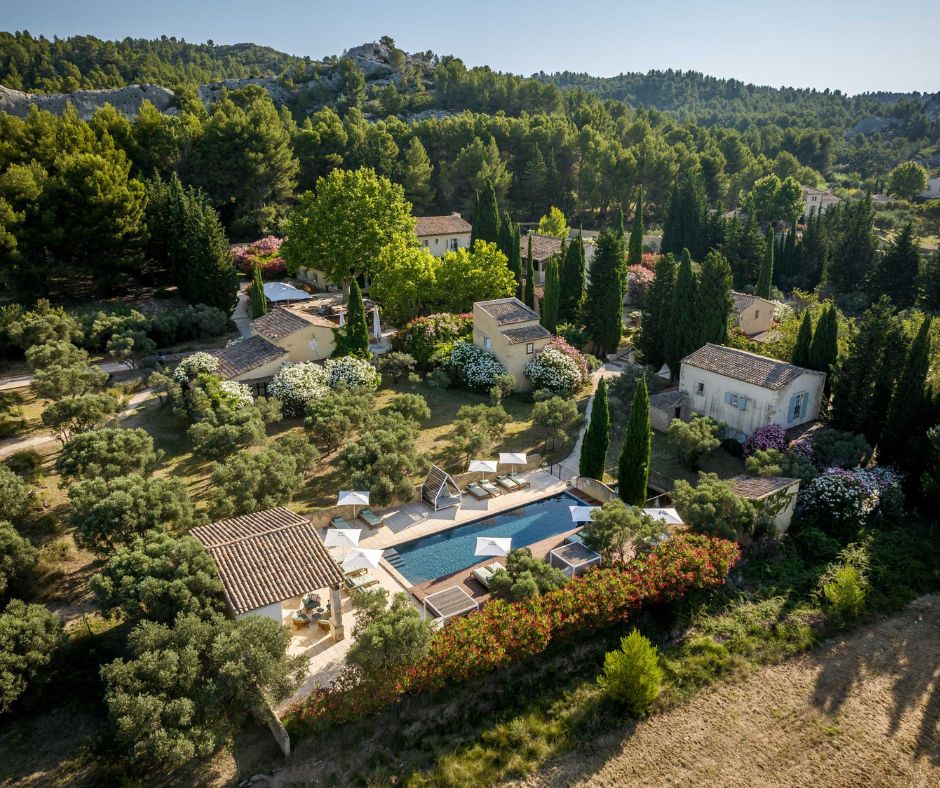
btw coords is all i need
(438, 244)
(272, 611)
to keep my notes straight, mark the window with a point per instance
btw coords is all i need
(452, 245)
(699, 388)
(487, 343)
(798, 406)
(530, 348)
(738, 401)
(425, 242)
(756, 314)
(733, 400)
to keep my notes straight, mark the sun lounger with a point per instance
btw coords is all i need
(506, 483)
(491, 488)
(574, 538)
(477, 491)
(484, 573)
(519, 480)
(371, 519)
(340, 522)
(364, 580)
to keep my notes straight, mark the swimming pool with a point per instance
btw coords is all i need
(436, 555)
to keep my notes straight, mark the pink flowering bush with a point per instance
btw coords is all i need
(265, 253)
(638, 281)
(579, 359)
(650, 259)
(770, 436)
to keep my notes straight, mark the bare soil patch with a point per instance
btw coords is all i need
(864, 710)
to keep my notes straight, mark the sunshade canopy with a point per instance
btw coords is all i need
(484, 466)
(512, 458)
(582, 514)
(668, 516)
(342, 537)
(361, 558)
(493, 545)
(353, 498)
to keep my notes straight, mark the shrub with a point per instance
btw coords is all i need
(768, 436)
(30, 636)
(475, 367)
(439, 378)
(632, 675)
(107, 453)
(525, 576)
(838, 502)
(410, 406)
(351, 372)
(712, 507)
(693, 439)
(14, 494)
(639, 279)
(17, 555)
(771, 462)
(194, 365)
(296, 385)
(26, 464)
(423, 337)
(837, 449)
(264, 253)
(845, 595)
(396, 364)
(554, 371)
(503, 386)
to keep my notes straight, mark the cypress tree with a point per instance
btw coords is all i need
(713, 300)
(634, 470)
(635, 250)
(813, 252)
(681, 331)
(529, 277)
(603, 308)
(684, 226)
(515, 256)
(801, 355)
(904, 437)
(259, 303)
(929, 283)
(896, 273)
(767, 266)
(854, 245)
(789, 254)
(571, 287)
(549, 307)
(619, 232)
(618, 222)
(824, 350)
(596, 437)
(505, 235)
(657, 312)
(353, 338)
(485, 215)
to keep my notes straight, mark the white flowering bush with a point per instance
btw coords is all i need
(475, 367)
(842, 500)
(554, 371)
(295, 385)
(352, 372)
(238, 394)
(782, 311)
(193, 366)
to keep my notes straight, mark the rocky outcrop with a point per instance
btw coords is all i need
(126, 100)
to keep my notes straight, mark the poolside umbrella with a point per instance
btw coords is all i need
(581, 514)
(353, 498)
(361, 558)
(342, 537)
(493, 545)
(668, 516)
(483, 466)
(512, 458)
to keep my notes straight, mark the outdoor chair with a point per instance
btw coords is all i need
(484, 573)
(477, 491)
(371, 519)
(507, 484)
(324, 624)
(365, 580)
(340, 522)
(519, 480)
(491, 488)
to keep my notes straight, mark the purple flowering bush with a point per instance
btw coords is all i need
(770, 436)
(839, 501)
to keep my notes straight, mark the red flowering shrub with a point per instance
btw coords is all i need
(650, 259)
(502, 633)
(265, 253)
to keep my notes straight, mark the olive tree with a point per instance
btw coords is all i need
(108, 453)
(30, 637)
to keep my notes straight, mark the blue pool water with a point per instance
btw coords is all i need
(441, 554)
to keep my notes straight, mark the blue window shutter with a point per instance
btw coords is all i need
(728, 397)
(742, 402)
(794, 402)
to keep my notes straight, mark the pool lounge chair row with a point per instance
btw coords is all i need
(369, 517)
(486, 489)
(359, 579)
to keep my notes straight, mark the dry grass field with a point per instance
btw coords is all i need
(863, 711)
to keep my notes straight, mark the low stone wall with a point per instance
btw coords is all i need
(594, 488)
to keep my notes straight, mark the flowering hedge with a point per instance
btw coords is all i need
(352, 372)
(552, 370)
(192, 366)
(502, 633)
(638, 281)
(475, 367)
(841, 500)
(425, 336)
(769, 436)
(238, 394)
(297, 384)
(265, 253)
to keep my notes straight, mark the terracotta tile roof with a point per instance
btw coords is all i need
(669, 399)
(283, 321)
(543, 247)
(268, 557)
(754, 487)
(507, 310)
(441, 225)
(747, 367)
(246, 355)
(514, 336)
(742, 301)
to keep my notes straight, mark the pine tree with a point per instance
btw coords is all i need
(681, 331)
(657, 312)
(713, 300)
(353, 338)
(896, 272)
(904, 437)
(259, 303)
(634, 470)
(549, 306)
(515, 256)
(529, 277)
(801, 355)
(824, 350)
(635, 251)
(603, 308)
(485, 215)
(571, 287)
(596, 437)
(416, 169)
(767, 266)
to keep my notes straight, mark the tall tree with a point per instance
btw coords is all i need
(744, 248)
(801, 355)
(259, 302)
(713, 301)
(634, 470)
(657, 312)
(929, 282)
(505, 240)
(572, 285)
(416, 170)
(904, 437)
(635, 250)
(597, 436)
(485, 215)
(866, 376)
(529, 298)
(515, 256)
(766, 276)
(824, 350)
(812, 253)
(353, 338)
(896, 272)
(681, 331)
(854, 245)
(549, 306)
(684, 225)
(603, 309)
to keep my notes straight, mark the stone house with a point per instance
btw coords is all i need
(817, 201)
(774, 497)
(301, 333)
(252, 361)
(753, 314)
(512, 332)
(743, 390)
(932, 192)
(443, 234)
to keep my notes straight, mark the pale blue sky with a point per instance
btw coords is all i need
(852, 45)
